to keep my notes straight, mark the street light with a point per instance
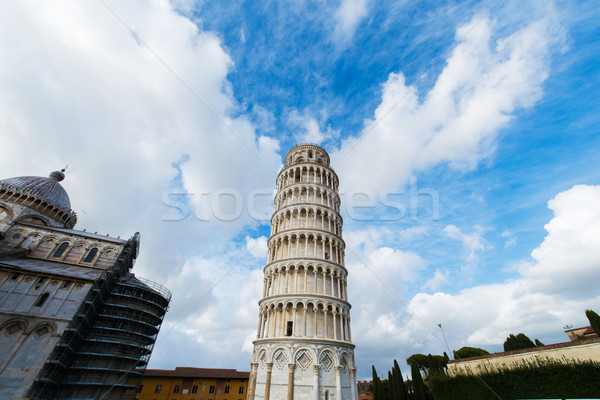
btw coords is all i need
(444, 336)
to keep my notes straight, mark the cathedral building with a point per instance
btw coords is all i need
(75, 323)
(303, 349)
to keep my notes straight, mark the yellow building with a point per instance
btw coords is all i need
(185, 383)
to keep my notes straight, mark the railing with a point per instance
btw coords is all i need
(166, 293)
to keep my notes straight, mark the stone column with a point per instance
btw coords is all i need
(349, 331)
(338, 381)
(334, 315)
(252, 383)
(304, 322)
(294, 321)
(268, 382)
(332, 285)
(258, 330)
(353, 388)
(290, 393)
(297, 254)
(316, 391)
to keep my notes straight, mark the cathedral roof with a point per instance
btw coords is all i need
(47, 190)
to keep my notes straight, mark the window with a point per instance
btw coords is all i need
(91, 254)
(42, 279)
(327, 256)
(194, 389)
(211, 389)
(226, 389)
(176, 389)
(61, 249)
(66, 284)
(41, 300)
(241, 391)
(15, 276)
(158, 389)
(290, 328)
(16, 236)
(140, 389)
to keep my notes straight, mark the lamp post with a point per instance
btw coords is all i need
(445, 341)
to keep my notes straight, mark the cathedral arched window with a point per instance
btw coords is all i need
(90, 255)
(61, 249)
(3, 214)
(41, 300)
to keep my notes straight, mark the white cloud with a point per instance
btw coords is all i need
(347, 18)
(472, 244)
(310, 129)
(552, 290)
(482, 86)
(257, 246)
(437, 280)
(78, 88)
(510, 239)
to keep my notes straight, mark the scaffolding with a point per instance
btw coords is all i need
(105, 350)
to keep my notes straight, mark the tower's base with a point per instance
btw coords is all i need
(305, 369)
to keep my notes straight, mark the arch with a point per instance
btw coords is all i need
(262, 358)
(13, 326)
(327, 359)
(91, 254)
(61, 249)
(33, 219)
(281, 358)
(43, 329)
(6, 213)
(303, 358)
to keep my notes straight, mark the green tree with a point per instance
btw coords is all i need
(521, 341)
(427, 362)
(420, 360)
(376, 385)
(594, 320)
(399, 387)
(419, 389)
(538, 343)
(466, 352)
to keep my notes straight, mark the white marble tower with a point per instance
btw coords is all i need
(303, 348)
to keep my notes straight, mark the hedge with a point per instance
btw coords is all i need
(548, 379)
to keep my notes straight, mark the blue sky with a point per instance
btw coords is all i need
(490, 107)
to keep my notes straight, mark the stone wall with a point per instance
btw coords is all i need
(582, 350)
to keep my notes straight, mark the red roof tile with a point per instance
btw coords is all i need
(190, 372)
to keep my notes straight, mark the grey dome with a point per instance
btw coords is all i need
(47, 190)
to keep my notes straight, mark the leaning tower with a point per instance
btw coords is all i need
(303, 349)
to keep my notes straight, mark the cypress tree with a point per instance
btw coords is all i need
(380, 390)
(594, 320)
(375, 385)
(418, 385)
(399, 381)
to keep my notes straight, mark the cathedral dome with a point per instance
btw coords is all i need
(45, 189)
(43, 194)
